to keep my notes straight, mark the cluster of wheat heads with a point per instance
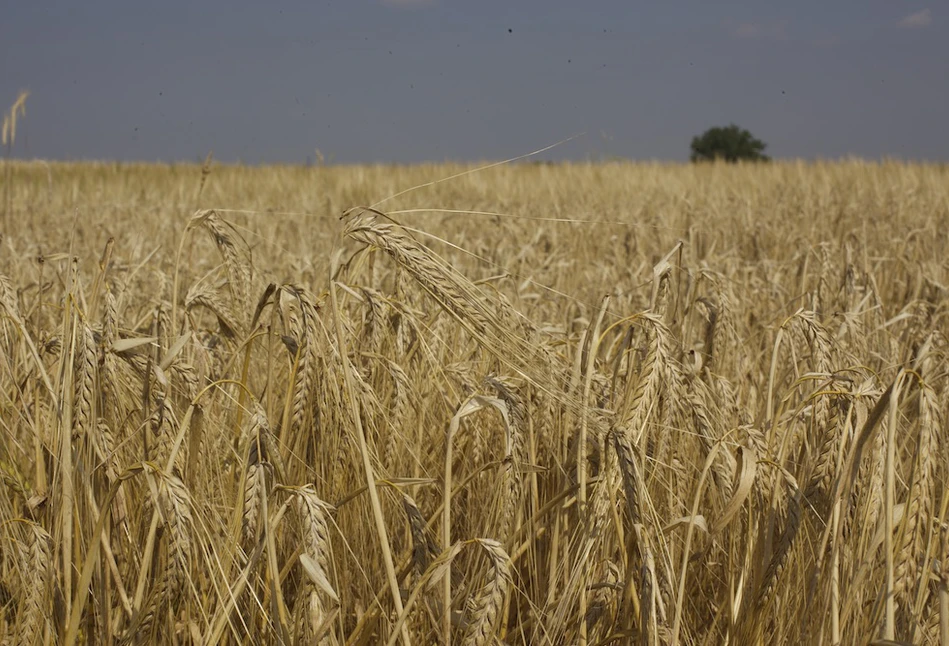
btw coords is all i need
(704, 437)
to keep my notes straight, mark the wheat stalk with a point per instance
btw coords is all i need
(316, 558)
(488, 602)
(34, 613)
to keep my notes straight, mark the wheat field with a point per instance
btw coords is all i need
(578, 403)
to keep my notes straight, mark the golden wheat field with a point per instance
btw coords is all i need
(530, 404)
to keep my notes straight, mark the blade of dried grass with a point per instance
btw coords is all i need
(356, 419)
(687, 548)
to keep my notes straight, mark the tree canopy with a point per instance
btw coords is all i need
(730, 143)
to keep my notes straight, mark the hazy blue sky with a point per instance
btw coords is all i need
(413, 80)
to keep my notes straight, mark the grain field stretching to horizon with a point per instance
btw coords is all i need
(531, 403)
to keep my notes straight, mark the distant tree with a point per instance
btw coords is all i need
(730, 143)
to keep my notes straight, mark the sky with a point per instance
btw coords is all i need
(382, 81)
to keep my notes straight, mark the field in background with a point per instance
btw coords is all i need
(600, 404)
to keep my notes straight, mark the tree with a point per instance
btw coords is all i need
(730, 143)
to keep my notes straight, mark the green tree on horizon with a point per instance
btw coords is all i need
(729, 143)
